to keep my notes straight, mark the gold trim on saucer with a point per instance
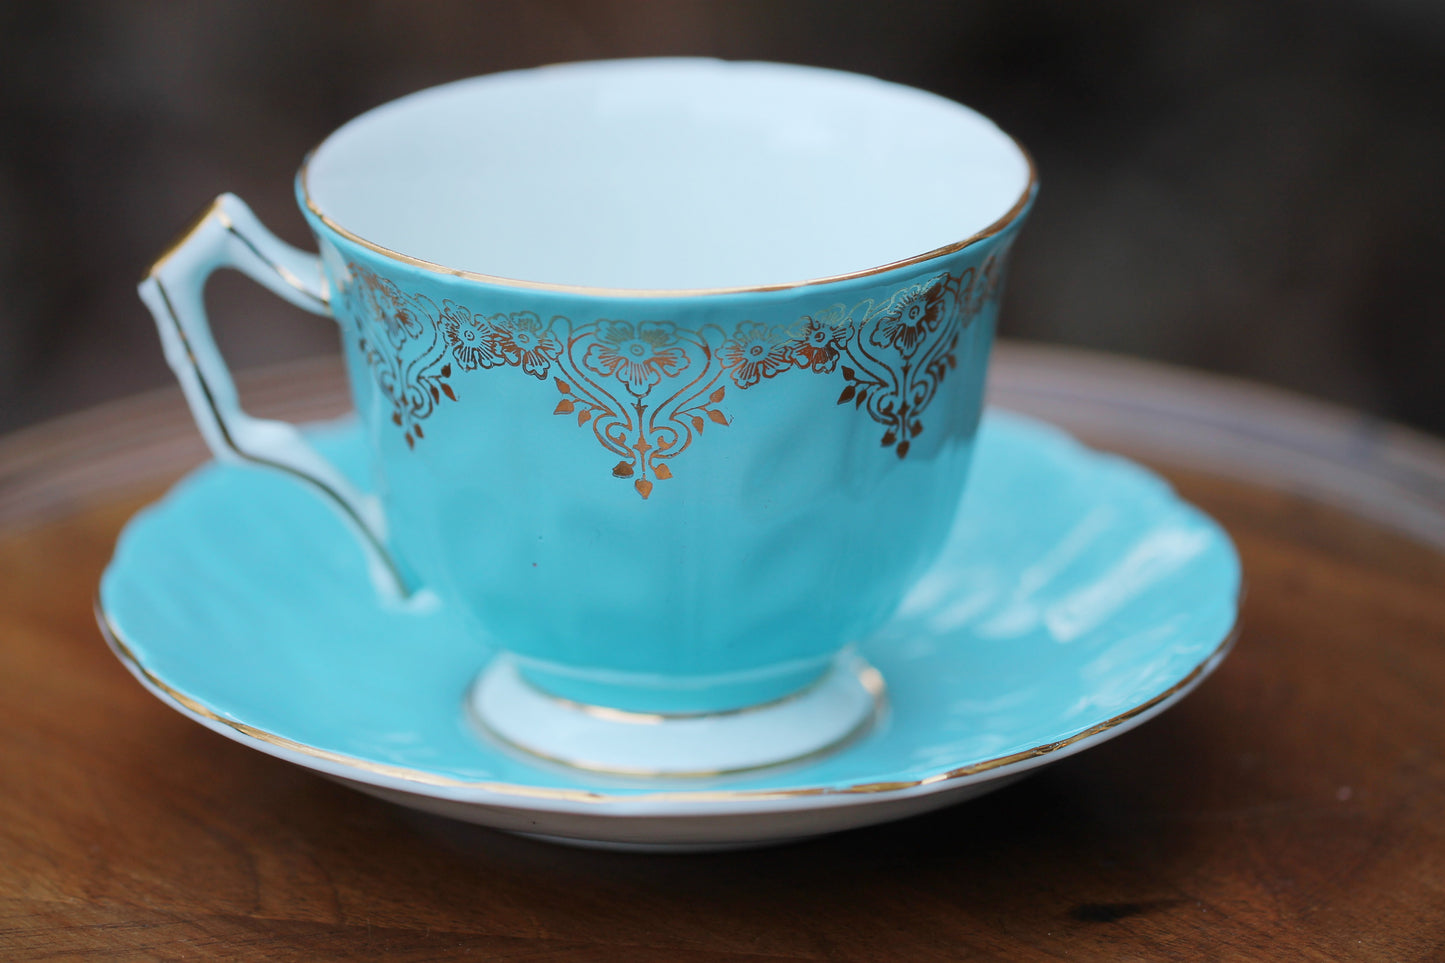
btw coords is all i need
(420, 778)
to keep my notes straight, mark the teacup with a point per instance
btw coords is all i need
(670, 372)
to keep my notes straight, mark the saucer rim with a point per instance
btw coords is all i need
(516, 796)
(645, 802)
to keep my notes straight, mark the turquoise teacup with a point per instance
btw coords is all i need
(670, 372)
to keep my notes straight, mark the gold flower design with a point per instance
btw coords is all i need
(819, 344)
(473, 341)
(919, 324)
(524, 343)
(395, 311)
(756, 351)
(911, 315)
(637, 355)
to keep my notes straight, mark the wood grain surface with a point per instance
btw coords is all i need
(1292, 808)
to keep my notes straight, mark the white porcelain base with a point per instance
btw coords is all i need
(824, 716)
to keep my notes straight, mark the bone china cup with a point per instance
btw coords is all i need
(669, 370)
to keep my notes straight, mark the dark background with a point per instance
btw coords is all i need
(1249, 186)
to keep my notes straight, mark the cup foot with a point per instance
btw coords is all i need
(824, 716)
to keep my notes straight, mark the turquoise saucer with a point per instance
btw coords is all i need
(1077, 597)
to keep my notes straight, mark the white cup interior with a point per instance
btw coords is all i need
(667, 174)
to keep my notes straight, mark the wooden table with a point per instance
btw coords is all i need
(1292, 808)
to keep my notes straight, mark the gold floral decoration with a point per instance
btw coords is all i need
(647, 389)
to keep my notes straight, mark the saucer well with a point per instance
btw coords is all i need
(1076, 597)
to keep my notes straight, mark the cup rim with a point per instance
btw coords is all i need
(1013, 214)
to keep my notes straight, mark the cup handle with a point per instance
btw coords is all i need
(228, 235)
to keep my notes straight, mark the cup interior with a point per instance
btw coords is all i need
(666, 174)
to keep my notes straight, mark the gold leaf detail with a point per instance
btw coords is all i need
(412, 346)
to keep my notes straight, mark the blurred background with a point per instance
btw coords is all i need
(1254, 187)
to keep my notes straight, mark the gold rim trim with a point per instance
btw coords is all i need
(868, 677)
(997, 227)
(422, 778)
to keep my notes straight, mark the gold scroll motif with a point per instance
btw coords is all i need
(646, 389)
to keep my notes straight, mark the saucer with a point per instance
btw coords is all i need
(1076, 597)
